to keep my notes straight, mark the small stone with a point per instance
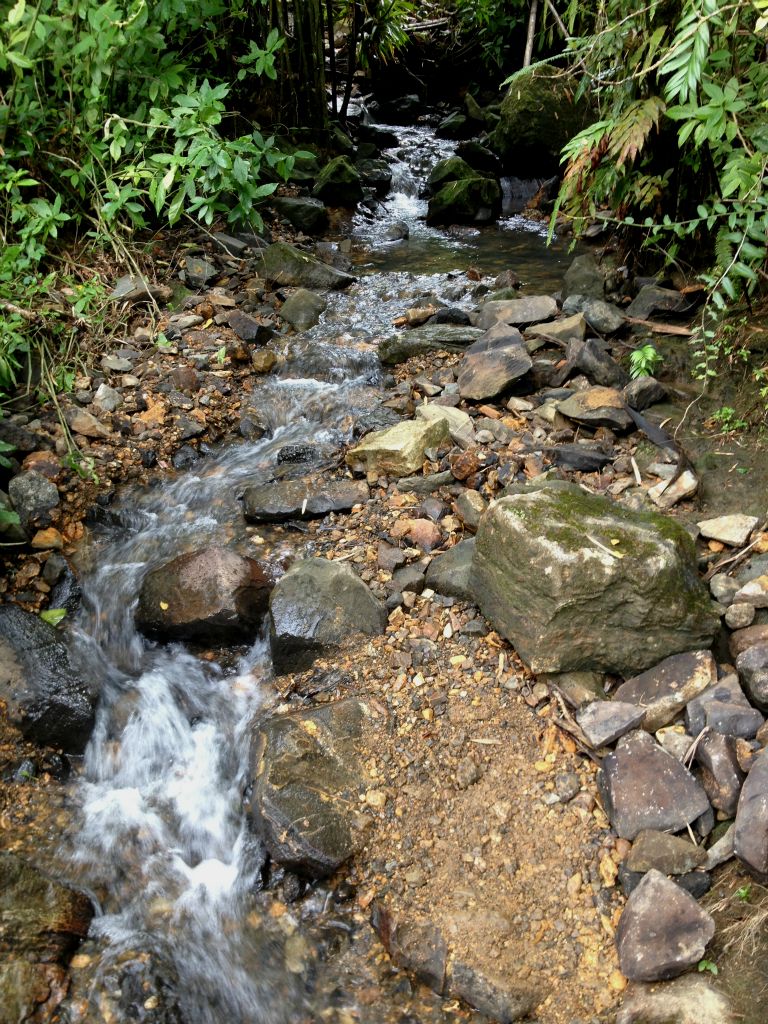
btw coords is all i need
(721, 774)
(603, 722)
(84, 423)
(467, 773)
(752, 667)
(755, 593)
(734, 530)
(45, 540)
(662, 932)
(263, 361)
(668, 854)
(643, 392)
(470, 506)
(663, 691)
(376, 798)
(116, 364)
(739, 615)
(33, 496)
(750, 837)
(666, 493)
(567, 785)
(107, 399)
(692, 999)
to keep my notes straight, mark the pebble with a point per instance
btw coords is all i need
(739, 615)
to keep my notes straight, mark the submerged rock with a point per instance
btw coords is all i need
(575, 581)
(44, 696)
(210, 595)
(299, 499)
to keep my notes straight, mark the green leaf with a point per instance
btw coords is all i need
(53, 616)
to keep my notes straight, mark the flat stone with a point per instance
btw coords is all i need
(460, 427)
(662, 932)
(86, 424)
(47, 540)
(284, 264)
(307, 777)
(724, 708)
(601, 316)
(721, 774)
(517, 312)
(750, 836)
(577, 688)
(315, 607)
(662, 852)
(132, 288)
(755, 593)
(604, 721)
(692, 999)
(198, 272)
(652, 299)
(664, 690)
(595, 407)
(734, 530)
(450, 573)
(752, 667)
(647, 788)
(301, 499)
(492, 363)
(398, 450)
(432, 337)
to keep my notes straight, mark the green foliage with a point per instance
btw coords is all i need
(5, 449)
(744, 892)
(709, 966)
(644, 361)
(53, 616)
(727, 420)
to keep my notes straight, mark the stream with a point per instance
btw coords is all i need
(158, 835)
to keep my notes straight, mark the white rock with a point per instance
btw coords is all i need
(733, 530)
(755, 593)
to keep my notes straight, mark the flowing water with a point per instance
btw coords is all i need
(161, 839)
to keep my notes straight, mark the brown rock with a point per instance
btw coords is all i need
(264, 360)
(45, 540)
(43, 462)
(82, 422)
(744, 638)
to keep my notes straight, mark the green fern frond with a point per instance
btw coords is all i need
(630, 133)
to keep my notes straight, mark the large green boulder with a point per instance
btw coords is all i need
(339, 183)
(475, 200)
(538, 116)
(575, 581)
(453, 168)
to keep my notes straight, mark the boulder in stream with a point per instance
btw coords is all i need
(475, 200)
(576, 581)
(284, 264)
(210, 595)
(339, 183)
(299, 499)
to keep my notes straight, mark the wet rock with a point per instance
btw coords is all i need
(303, 309)
(284, 264)
(652, 299)
(597, 407)
(398, 450)
(416, 946)
(605, 721)
(601, 316)
(307, 215)
(479, 157)
(450, 573)
(307, 777)
(517, 312)
(688, 1000)
(398, 231)
(646, 788)
(339, 183)
(451, 169)
(723, 708)
(32, 496)
(643, 392)
(501, 999)
(721, 774)
(662, 852)
(577, 582)
(750, 835)
(299, 499)
(210, 595)
(664, 690)
(475, 200)
(317, 605)
(584, 277)
(432, 337)
(662, 932)
(248, 328)
(454, 126)
(86, 424)
(43, 694)
(734, 530)
(492, 363)
(752, 667)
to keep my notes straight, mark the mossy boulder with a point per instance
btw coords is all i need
(538, 116)
(451, 169)
(475, 200)
(284, 264)
(339, 183)
(578, 582)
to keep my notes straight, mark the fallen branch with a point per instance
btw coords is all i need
(683, 332)
(26, 314)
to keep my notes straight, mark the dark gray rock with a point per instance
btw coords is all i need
(664, 690)
(479, 157)
(723, 708)
(308, 215)
(601, 316)
(550, 576)
(375, 174)
(451, 315)
(432, 337)
(752, 666)
(303, 309)
(696, 883)
(647, 788)
(584, 277)
(662, 932)
(416, 946)
(398, 231)
(299, 499)
(317, 605)
(721, 774)
(590, 358)
(248, 328)
(750, 835)
(604, 721)
(450, 573)
(500, 999)
(209, 595)
(409, 579)
(659, 851)
(453, 168)
(580, 458)
(33, 496)
(198, 272)
(492, 363)
(283, 264)
(306, 779)
(652, 299)
(643, 392)
(597, 407)
(44, 696)
(339, 183)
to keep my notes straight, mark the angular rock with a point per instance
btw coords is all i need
(664, 690)
(603, 317)
(432, 337)
(470, 507)
(580, 458)
(82, 422)
(248, 328)
(460, 428)
(398, 450)
(492, 363)
(669, 492)
(209, 595)
(299, 499)
(591, 359)
(308, 215)
(416, 946)
(721, 774)
(307, 778)
(568, 328)
(44, 696)
(662, 932)
(659, 851)
(755, 592)
(284, 264)
(517, 312)
(584, 277)
(577, 582)
(198, 272)
(130, 288)
(450, 573)
(597, 407)
(577, 688)
(752, 666)
(498, 998)
(647, 788)
(733, 530)
(691, 999)
(750, 834)
(303, 309)
(643, 392)
(605, 721)
(652, 299)
(317, 605)
(723, 708)
(339, 183)
(32, 496)
(475, 200)
(107, 399)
